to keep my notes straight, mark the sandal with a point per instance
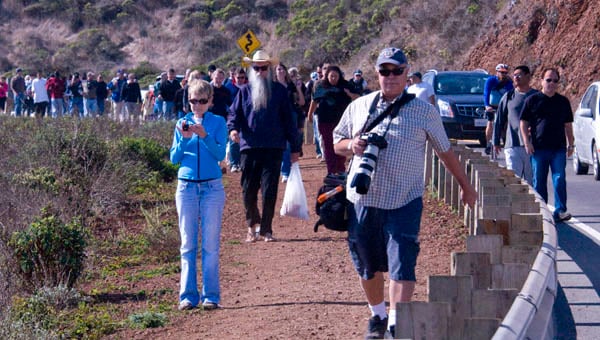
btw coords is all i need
(250, 237)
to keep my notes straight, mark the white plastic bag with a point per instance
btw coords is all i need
(294, 199)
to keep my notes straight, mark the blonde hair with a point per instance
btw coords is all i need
(199, 87)
(195, 74)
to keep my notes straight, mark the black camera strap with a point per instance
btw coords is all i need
(391, 110)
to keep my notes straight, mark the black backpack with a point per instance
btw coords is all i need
(333, 210)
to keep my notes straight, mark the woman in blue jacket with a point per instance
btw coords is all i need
(198, 146)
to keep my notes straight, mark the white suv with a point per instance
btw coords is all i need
(586, 128)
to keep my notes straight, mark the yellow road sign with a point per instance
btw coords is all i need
(248, 42)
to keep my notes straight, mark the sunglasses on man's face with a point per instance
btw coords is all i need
(260, 68)
(199, 101)
(555, 81)
(396, 72)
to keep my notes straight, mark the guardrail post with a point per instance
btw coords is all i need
(422, 320)
(455, 290)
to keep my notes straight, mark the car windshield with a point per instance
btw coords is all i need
(454, 83)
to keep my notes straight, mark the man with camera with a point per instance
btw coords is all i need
(386, 184)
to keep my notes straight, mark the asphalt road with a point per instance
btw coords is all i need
(577, 305)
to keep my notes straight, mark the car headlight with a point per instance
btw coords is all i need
(445, 109)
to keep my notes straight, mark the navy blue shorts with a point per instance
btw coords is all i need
(383, 240)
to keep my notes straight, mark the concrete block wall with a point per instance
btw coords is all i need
(506, 265)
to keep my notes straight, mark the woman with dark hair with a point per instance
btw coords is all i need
(331, 95)
(296, 95)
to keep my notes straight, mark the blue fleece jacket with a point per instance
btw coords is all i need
(200, 157)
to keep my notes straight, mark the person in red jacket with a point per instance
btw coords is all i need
(56, 88)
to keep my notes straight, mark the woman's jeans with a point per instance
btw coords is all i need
(200, 202)
(556, 160)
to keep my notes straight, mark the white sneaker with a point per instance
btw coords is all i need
(563, 216)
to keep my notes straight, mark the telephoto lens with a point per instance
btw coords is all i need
(362, 177)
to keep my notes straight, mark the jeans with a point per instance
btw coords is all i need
(234, 152)
(556, 160)
(286, 162)
(317, 136)
(91, 107)
(58, 107)
(19, 99)
(519, 161)
(168, 110)
(202, 202)
(100, 103)
(260, 170)
(76, 102)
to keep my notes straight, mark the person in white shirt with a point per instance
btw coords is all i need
(422, 90)
(40, 95)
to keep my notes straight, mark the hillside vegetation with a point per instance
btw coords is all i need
(152, 35)
(105, 35)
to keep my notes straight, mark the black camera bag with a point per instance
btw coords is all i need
(332, 212)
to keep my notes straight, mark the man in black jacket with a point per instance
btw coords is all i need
(166, 93)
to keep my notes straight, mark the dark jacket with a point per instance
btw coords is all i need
(131, 92)
(272, 127)
(167, 90)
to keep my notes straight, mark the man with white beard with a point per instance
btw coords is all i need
(262, 121)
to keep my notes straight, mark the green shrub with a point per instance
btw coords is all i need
(148, 320)
(152, 153)
(49, 253)
(57, 313)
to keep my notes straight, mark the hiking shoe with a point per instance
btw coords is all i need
(562, 216)
(185, 305)
(377, 328)
(207, 305)
(269, 237)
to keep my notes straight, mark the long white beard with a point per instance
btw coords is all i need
(260, 90)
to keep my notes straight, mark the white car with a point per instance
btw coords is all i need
(586, 128)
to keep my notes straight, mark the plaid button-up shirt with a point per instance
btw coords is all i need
(398, 175)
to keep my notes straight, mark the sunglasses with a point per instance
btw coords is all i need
(396, 72)
(503, 72)
(555, 81)
(199, 101)
(260, 68)
(518, 76)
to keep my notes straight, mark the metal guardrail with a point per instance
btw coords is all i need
(530, 316)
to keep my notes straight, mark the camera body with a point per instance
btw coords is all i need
(362, 177)
(185, 126)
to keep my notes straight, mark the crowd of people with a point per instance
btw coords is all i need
(264, 118)
(255, 118)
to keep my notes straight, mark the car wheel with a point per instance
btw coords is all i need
(579, 167)
(595, 163)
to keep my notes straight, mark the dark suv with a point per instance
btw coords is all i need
(459, 99)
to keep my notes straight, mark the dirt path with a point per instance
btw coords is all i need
(302, 286)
